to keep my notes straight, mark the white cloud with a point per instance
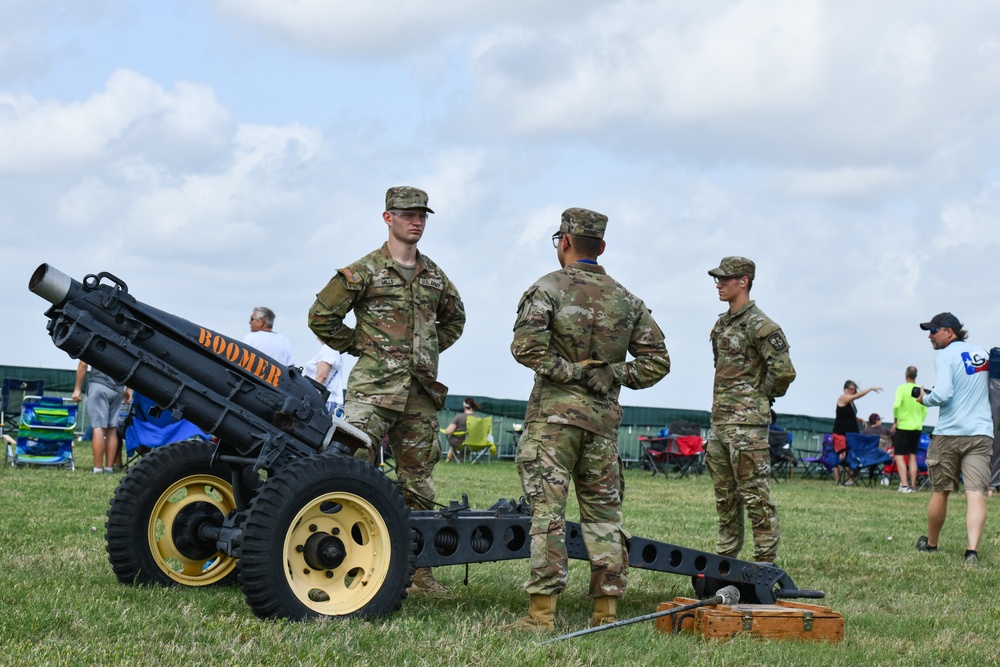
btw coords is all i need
(971, 224)
(385, 28)
(131, 113)
(845, 182)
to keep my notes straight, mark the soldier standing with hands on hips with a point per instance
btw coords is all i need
(574, 327)
(752, 368)
(407, 313)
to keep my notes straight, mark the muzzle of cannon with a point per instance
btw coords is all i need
(258, 407)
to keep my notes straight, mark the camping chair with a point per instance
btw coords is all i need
(830, 458)
(478, 440)
(865, 455)
(45, 432)
(783, 461)
(812, 463)
(923, 478)
(12, 393)
(147, 427)
(686, 453)
(654, 451)
(685, 448)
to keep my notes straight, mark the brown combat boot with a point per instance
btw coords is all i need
(540, 618)
(605, 611)
(423, 581)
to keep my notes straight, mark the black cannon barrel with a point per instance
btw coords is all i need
(255, 405)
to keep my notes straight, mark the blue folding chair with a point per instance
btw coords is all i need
(865, 456)
(45, 432)
(147, 427)
(923, 478)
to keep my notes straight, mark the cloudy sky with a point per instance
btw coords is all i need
(221, 155)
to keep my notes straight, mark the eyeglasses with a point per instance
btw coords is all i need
(722, 280)
(254, 319)
(932, 331)
(556, 238)
(410, 216)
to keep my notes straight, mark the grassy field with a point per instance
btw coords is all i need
(62, 605)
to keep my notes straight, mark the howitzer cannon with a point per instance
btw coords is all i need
(278, 501)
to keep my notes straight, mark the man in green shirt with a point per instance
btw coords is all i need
(907, 425)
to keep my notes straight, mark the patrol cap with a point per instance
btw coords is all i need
(404, 197)
(734, 266)
(582, 222)
(942, 321)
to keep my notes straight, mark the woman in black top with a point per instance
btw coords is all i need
(846, 421)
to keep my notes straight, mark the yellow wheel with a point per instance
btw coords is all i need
(328, 535)
(153, 531)
(174, 543)
(337, 554)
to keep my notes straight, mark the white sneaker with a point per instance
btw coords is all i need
(905, 489)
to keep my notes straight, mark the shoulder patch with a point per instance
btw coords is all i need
(777, 341)
(353, 280)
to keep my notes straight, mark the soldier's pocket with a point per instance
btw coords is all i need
(527, 448)
(434, 451)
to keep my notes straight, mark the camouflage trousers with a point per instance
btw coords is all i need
(739, 461)
(548, 457)
(413, 439)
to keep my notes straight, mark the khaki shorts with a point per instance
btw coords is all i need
(951, 456)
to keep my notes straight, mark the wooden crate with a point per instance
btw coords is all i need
(784, 620)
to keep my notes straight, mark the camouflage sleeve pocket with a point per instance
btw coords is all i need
(523, 308)
(527, 449)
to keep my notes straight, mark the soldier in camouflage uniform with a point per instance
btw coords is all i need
(574, 327)
(407, 312)
(752, 368)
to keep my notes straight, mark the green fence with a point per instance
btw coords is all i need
(807, 432)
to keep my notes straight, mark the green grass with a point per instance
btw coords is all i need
(60, 603)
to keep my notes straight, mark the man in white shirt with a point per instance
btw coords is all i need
(264, 340)
(962, 442)
(326, 369)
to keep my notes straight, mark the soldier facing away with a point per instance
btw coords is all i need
(574, 327)
(752, 368)
(407, 313)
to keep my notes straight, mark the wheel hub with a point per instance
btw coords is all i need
(185, 530)
(323, 551)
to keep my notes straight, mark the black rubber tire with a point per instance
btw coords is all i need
(327, 495)
(145, 505)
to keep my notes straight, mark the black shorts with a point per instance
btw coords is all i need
(905, 442)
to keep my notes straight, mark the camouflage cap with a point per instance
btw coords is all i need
(734, 266)
(582, 222)
(405, 197)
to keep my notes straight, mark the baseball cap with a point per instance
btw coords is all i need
(734, 266)
(942, 321)
(873, 417)
(404, 197)
(583, 222)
